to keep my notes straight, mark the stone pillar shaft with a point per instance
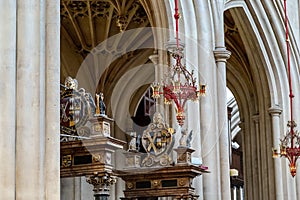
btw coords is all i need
(29, 59)
(275, 113)
(7, 100)
(52, 102)
(30, 127)
(221, 55)
(208, 104)
(192, 63)
(257, 177)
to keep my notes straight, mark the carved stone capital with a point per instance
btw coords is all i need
(101, 183)
(255, 118)
(275, 110)
(221, 54)
(154, 58)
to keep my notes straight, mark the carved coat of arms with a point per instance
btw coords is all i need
(75, 107)
(157, 141)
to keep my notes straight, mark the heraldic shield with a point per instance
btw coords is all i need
(74, 107)
(157, 138)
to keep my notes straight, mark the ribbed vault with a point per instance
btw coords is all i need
(87, 23)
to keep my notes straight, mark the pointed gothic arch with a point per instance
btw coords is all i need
(256, 74)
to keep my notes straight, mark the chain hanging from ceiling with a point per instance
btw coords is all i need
(179, 85)
(290, 143)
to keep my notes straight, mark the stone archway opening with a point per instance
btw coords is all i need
(249, 79)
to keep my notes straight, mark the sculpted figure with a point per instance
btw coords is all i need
(100, 109)
(71, 83)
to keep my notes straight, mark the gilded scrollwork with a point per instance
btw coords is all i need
(101, 181)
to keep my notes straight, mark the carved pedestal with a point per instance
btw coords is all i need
(101, 126)
(174, 181)
(184, 155)
(132, 160)
(154, 174)
(91, 158)
(86, 146)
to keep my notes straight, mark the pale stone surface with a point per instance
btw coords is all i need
(30, 130)
(210, 129)
(76, 188)
(275, 112)
(52, 100)
(221, 56)
(192, 62)
(28, 158)
(7, 99)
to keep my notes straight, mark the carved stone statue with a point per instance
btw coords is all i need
(100, 105)
(185, 141)
(189, 139)
(91, 104)
(132, 143)
(182, 140)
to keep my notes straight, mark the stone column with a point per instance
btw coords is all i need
(255, 139)
(221, 56)
(241, 193)
(7, 100)
(52, 101)
(30, 102)
(37, 100)
(190, 37)
(275, 112)
(234, 193)
(208, 105)
(210, 140)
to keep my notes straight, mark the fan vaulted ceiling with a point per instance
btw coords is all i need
(87, 23)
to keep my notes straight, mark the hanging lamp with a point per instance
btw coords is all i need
(179, 85)
(290, 143)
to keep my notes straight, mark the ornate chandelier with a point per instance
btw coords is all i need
(179, 85)
(290, 143)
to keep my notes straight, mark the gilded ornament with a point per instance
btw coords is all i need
(182, 182)
(129, 185)
(66, 161)
(96, 158)
(155, 183)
